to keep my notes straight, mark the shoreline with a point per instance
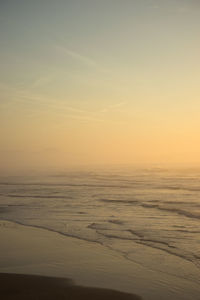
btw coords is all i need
(30, 250)
(35, 251)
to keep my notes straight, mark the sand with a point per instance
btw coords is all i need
(15, 286)
(36, 251)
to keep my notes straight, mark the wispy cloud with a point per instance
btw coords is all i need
(113, 107)
(41, 81)
(35, 101)
(77, 56)
(82, 58)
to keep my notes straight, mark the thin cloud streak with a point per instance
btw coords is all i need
(24, 96)
(113, 107)
(85, 60)
(77, 56)
(58, 107)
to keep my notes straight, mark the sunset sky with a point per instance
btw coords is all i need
(99, 82)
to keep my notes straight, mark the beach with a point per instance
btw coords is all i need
(26, 250)
(99, 150)
(35, 251)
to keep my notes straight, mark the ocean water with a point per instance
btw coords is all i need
(150, 216)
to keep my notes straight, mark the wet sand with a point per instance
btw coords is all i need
(15, 286)
(41, 252)
(35, 264)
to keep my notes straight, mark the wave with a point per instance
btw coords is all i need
(35, 196)
(66, 184)
(157, 206)
(143, 239)
(117, 222)
(173, 209)
(54, 230)
(152, 243)
(155, 244)
(128, 185)
(178, 202)
(119, 201)
(189, 189)
(140, 238)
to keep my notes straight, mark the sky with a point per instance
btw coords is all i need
(99, 82)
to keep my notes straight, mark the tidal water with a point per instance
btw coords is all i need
(148, 215)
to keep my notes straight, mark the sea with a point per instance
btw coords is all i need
(148, 215)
